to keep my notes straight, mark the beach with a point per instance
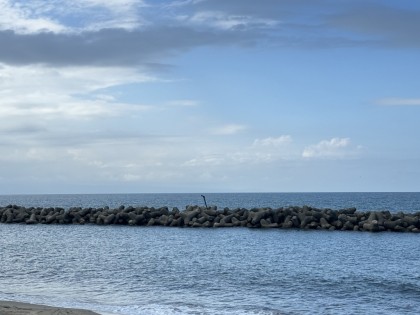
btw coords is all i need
(16, 308)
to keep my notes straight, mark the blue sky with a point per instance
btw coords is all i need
(110, 96)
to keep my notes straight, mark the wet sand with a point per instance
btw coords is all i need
(16, 308)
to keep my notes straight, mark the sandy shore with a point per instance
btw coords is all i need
(15, 308)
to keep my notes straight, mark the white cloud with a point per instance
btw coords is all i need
(20, 18)
(69, 80)
(180, 3)
(399, 102)
(273, 141)
(229, 129)
(36, 16)
(119, 5)
(50, 93)
(68, 108)
(221, 20)
(207, 160)
(261, 151)
(331, 149)
(147, 161)
(229, 159)
(183, 103)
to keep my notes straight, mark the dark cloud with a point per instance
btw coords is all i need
(20, 134)
(272, 9)
(301, 24)
(327, 23)
(393, 27)
(109, 47)
(22, 130)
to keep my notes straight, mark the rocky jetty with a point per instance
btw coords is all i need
(194, 216)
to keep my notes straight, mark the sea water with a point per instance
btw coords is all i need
(158, 270)
(407, 201)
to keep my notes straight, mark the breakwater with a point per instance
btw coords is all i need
(194, 216)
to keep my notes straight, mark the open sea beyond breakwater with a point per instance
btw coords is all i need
(157, 270)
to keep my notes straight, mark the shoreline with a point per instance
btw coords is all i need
(21, 308)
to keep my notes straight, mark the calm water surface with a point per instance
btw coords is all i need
(407, 202)
(156, 270)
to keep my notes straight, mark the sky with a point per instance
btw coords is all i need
(140, 96)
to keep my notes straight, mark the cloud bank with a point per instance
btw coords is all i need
(125, 34)
(335, 148)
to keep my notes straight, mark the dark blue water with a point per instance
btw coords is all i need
(156, 270)
(407, 202)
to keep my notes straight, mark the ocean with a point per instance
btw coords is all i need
(162, 270)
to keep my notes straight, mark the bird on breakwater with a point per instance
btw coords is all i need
(204, 198)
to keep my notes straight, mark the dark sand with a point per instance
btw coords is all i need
(16, 308)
